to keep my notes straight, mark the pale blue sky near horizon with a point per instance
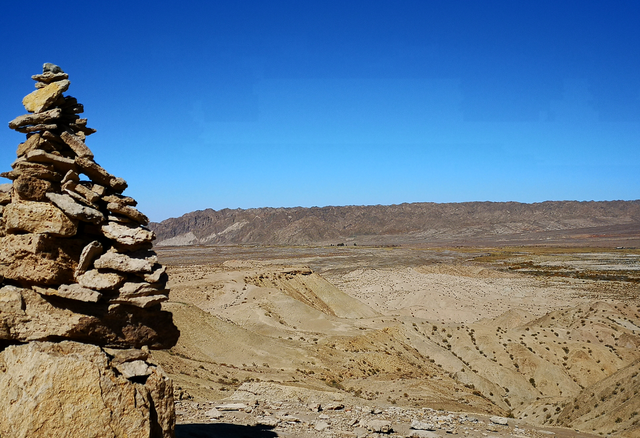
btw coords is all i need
(246, 103)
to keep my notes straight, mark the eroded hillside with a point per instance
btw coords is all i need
(470, 334)
(609, 223)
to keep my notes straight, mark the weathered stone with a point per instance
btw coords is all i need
(499, 420)
(48, 67)
(119, 199)
(10, 300)
(379, 426)
(81, 129)
(61, 163)
(98, 175)
(72, 176)
(127, 235)
(43, 98)
(142, 302)
(128, 211)
(72, 291)
(49, 77)
(36, 170)
(87, 195)
(37, 128)
(28, 316)
(123, 263)
(68, 389)
(126, 355)
(78, 197)
(230, 407)
(216, 414)
(39, 258)
(100, 190)
(75, 210)
(76, 144)
(38, 217)
(136, 368)
(53, 138)
(140, 289)
(89, 253)
(421, 425)
(5, 198)
(321, 426)
(32, 143)
(100, 281)
(121, 220)
(33, 189)
(158, 275)
(35, 119)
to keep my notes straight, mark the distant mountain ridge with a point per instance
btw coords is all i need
(415, 223)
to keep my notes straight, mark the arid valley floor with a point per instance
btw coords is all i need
(350, 341)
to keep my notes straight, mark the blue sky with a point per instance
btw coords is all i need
(270, 103)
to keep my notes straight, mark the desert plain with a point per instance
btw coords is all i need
(356, 341)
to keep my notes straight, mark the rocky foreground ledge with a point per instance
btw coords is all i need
(251, 412)
(80, 287)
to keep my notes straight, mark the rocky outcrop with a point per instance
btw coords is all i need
(69, 389)
(77, 267)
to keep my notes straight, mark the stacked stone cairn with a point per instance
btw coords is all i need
(80, 287)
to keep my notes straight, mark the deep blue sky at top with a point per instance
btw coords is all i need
(227, 104)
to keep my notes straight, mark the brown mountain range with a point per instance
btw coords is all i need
(601, 223)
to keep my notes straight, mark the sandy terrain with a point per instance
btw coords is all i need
(546, 336)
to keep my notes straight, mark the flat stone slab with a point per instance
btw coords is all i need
(101, 281)
(71, 291)
(499, 420)
(35, 119)
(43, 98)
(72, 208)
(61, 163)
(76, 144)
(232, 407)
(122, 263)
(127, 235)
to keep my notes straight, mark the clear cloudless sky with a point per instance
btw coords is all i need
(272, 103)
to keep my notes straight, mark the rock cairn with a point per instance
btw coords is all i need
(77, 264)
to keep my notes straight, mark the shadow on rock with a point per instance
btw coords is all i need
(223, 430)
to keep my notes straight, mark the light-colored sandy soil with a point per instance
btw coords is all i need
(533, 335)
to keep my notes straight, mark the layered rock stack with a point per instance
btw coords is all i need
(76, 268)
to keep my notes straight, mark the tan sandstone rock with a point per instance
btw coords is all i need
(27, 315)
(123, 263)
(72, 292)
(127, 235)
(43, 98)
(35, 119)
(101, 281)
(76, 144)
(39, 258)
(29, 188)
(38, 217)
(70, 390)
(81, 212)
